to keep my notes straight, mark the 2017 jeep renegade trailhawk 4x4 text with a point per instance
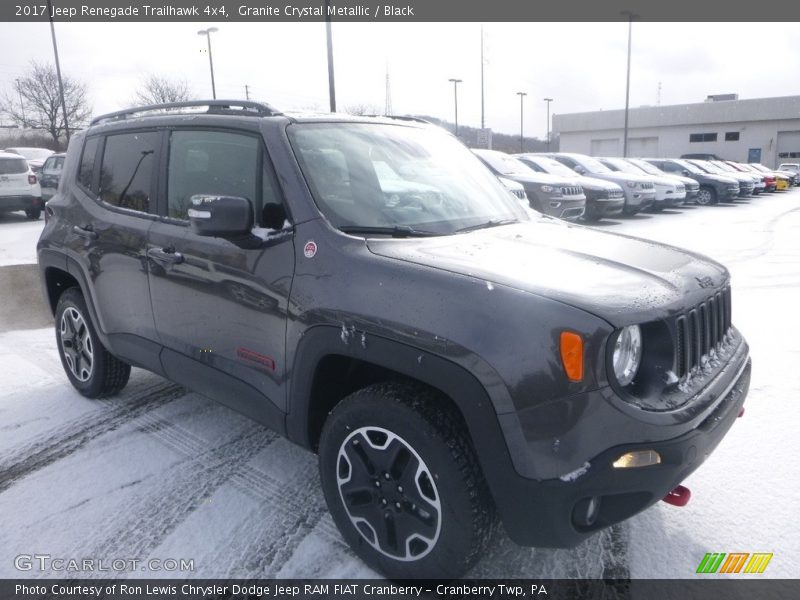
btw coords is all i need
(367, 288)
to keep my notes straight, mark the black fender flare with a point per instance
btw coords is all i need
(458, 383)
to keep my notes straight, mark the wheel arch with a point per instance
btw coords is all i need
(322, 351)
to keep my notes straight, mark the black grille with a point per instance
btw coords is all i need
(701, 329)
(571, 191)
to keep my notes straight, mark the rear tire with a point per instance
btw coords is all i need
(403, 484)
(90, 368)
(33, 214)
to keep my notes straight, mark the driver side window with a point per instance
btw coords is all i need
(212, 162)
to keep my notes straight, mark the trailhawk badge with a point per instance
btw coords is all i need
(310, 249)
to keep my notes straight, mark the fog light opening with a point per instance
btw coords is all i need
(585, 512)
(637, 458)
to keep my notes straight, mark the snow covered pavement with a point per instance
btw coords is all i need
(158, 472)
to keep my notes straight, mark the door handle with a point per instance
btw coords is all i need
(165, 255)
(85, 232)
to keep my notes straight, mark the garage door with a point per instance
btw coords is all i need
(643, 146)
(788, 146)
(607, 147)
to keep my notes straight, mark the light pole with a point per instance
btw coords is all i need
(21, 104)
(455, 99)
(483, 123)
(548, 100)
(207, 33)
(631, 16)
(521, 139)
(329, 42)
(58, 70)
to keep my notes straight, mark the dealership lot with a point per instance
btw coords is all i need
(161, 473)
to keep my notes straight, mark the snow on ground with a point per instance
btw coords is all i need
(158, 472)
(18, 237)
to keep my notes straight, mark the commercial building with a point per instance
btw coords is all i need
(765, 130)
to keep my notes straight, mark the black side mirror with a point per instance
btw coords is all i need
(221, 216)
(580, 170)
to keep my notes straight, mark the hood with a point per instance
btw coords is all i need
(663, 181)
(621, 176)
(593, 183)
(539, 178)
(721, 178)
(620, 278)
(687, 181)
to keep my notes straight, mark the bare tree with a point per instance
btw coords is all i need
(161, 90)
(362, 109)
(35, 101)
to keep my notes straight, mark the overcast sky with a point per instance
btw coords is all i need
(580, 65)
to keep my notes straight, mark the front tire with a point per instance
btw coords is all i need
(33, 213)
(90, 368)
(706, 196)
(403, 484)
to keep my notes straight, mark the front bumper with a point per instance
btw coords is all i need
(12, 203)
(543, 513)
(605, 207)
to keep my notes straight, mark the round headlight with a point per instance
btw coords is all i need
(627, 354)
(547, 188)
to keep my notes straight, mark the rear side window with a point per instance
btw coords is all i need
(86, 171)
(53, 165)
(126, 172)
(12, 166)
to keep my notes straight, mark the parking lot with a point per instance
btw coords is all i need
(158, 472)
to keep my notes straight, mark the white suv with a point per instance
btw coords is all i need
(19, 187)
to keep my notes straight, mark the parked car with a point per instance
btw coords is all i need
(50, 175)
(19, 188)
(713, 188)
(746, 183)
(759, 178)
(517, 189)
(793, 175)
(783, 181)
(726, 168)
(702, 156)
(690, 185)
(792, 168)
(603, 198)
(669, 192)
(639, 191)
(452, 360)
(549, 194)
(34, 156)
(770, 180)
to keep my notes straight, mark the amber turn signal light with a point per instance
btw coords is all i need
(572, 355)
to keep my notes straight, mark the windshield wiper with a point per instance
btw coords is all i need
(398, 231)
(487, 224)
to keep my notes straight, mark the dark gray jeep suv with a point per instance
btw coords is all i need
(367, 288)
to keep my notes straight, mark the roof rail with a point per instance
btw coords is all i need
(217, 107)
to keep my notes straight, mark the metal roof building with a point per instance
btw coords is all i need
(765, 130)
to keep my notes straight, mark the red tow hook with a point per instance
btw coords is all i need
(680, 496)
(741, 412)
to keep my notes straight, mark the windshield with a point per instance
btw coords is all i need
(724, 167)
(549, 165)
(624, 166)
(592, 165)
(390, 179)
(689, 166)
(32, 153)
(646, 166)
(503, 163)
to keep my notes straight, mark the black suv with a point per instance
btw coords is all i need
(367, 288)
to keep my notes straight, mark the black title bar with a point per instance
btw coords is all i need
(396, 11)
